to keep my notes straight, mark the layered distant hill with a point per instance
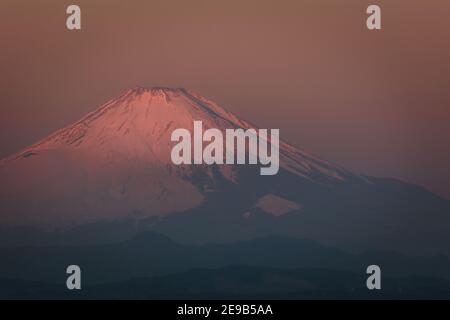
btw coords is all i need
(151, 266)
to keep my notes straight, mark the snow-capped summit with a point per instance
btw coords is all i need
(116, 161)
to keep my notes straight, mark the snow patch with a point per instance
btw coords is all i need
(276, 205)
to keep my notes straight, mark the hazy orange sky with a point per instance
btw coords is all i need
(376, 102)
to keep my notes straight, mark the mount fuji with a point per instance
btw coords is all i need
(114, 167)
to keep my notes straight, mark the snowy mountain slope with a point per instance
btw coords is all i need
(116, 161)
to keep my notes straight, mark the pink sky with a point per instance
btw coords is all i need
(375, 102)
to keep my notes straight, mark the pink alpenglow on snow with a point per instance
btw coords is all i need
(116, 162)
